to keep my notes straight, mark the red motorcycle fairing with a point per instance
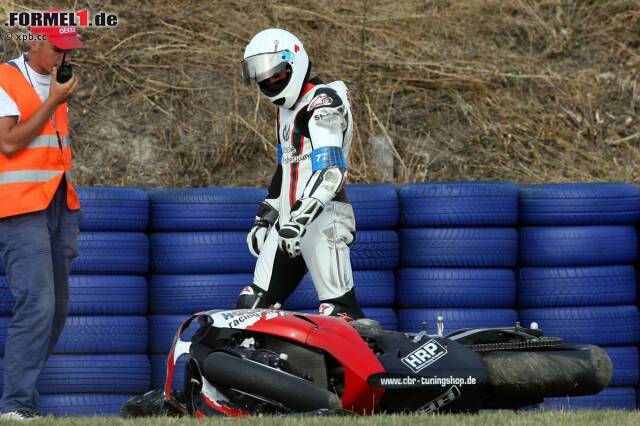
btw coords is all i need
(333, 335)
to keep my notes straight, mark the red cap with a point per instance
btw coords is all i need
(63, 37)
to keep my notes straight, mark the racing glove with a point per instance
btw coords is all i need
(304, 211)
(265, 218)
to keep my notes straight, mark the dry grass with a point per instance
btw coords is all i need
(525, 90)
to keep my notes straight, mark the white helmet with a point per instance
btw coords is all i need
(270, 52)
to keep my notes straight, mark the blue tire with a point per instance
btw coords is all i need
(611, 398)
(375, 206)
(200, 253)
(76, 405)
(95, 295)
(163, 329)
(204, 209)
(385, 316)
(459, 204)
(579, 204)
(626, 361)
(579, 286)
(440, 287)
(159, 372)
(375, 250)
(124, 253)
(578, 245)
(410, 320)
(596, 325)
(179, 294)
(96, 335)
(175, 294)
(112, 253)
(459, 247)
(114, 209)
(93, 374)
(373, 288)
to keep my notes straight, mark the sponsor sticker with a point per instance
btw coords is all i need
(320, 100)
(247, 291)
(424, 356)
(242, 319)
(395, 381)
(326, 309)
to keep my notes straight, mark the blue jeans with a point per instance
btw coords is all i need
(37, 250)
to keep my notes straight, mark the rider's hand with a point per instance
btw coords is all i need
(289, 238)
(60, 93)
(256, 237)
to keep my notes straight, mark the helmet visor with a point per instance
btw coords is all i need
(257, 68)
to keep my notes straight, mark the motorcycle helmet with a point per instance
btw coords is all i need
(269, 53)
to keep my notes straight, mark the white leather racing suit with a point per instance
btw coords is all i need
(314, 138)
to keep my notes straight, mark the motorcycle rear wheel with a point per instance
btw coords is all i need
(537, 374)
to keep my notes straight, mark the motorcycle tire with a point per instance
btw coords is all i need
(459, 204)
(251, 377)
(534, 375)
(593, 203)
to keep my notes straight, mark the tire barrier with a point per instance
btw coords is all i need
(114, 209)
(459, 247)
(163, 329)
(451, 247)
(112, 253)
(109, 253)
(459, 204)
(178, 294)
(200, 253)
(578, 245)
(598, 325)
(233, 209)
(204, 209)
(456, 287)
(159, 371)
(577, 279)
(82, 404)
(94, 374)
(579, 204)
(96, 335)
(373, 289)
(626, 361)
(375, 206)
(95, 295)
(577, 286)
(227, 252)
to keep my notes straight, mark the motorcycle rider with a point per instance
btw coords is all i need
(306, 222)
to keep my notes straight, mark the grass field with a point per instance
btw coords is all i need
(618, 418)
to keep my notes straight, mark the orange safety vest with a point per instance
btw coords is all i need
(29, 179)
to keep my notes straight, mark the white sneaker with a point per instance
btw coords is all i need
(19, 415)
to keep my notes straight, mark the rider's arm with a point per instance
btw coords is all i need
(328, 120)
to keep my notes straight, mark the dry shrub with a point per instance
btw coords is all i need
(524, 90)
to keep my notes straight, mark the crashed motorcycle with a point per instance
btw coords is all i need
(272, 362)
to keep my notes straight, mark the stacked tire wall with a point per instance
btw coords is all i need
(578, 246)
(478, 254)
(101, 358)
(200, 260)
(458, 253)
